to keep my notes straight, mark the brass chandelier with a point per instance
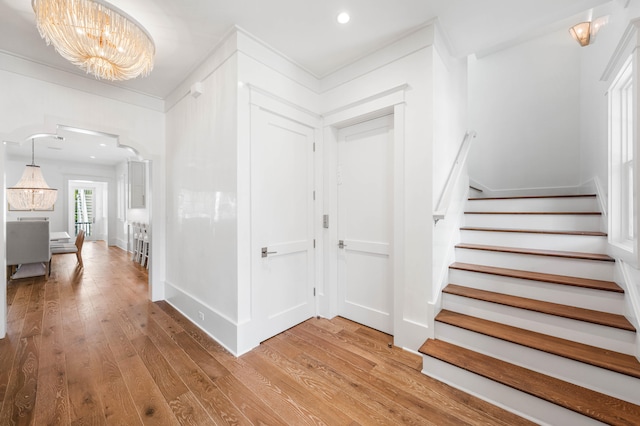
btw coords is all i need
(97, 37)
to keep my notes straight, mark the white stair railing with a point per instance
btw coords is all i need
(456, 170)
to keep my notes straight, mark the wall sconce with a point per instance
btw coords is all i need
(581, 33)
(585, 32)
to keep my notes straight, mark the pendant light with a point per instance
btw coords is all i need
(32, 192)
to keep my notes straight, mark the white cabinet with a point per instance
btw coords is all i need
(137, 185)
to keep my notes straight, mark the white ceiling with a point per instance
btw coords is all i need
(185, 32)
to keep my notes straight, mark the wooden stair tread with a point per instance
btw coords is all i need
(587, 402)
(540, 276)
(599, 357)
(523, 197)
(543, 213)
(538, 252)
(565, 311)
(534, 231)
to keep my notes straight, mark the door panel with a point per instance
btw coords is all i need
(282, 221)
(365, 182)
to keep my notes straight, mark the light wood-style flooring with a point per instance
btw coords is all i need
(86, 347)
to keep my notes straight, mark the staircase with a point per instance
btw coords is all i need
(531, 319)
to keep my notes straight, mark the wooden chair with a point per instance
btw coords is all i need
(67, 248)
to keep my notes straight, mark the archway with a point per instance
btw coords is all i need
(86, 155)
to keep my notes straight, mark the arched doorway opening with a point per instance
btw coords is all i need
(71, 160)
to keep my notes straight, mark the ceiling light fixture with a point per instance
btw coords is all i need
(97, 37)
(343, 18)
(32, 192)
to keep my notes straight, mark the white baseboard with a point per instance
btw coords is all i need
(223, 330)
(410, 335)
(120, 243)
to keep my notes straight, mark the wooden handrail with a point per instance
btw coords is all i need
(445, 197)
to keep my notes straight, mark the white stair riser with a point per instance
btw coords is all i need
(597, 300)
(573, 204)
(535, 221)
(598, 379)
(579, 331)
(525, 405)
(593, 269)
(583, 243)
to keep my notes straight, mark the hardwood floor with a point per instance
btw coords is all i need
(85, 346)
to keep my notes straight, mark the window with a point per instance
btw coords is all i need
(84, 210)
(622, 188)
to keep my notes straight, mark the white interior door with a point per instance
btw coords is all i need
(282, 199)
(365, 183)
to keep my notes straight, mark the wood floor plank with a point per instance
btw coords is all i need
(363, 409)
(17, 309)
(149, 401)
(84, 399)
(251, 405)
(184, 405)
(212, 399)
(270, 394)
(188, 411)
(52, 402)
(117, 403)
(210, 345)
(323, 400)
(8, 351)
(382, 390)
(100, 346)
(387, 367)
(163, 374)
(19, 404)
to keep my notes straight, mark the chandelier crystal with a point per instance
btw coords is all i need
(97, 37)
(31, 192)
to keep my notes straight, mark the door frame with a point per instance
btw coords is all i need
(101, 190)
(387, 103)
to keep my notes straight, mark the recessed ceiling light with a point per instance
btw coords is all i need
(343, 17)
(92, 156)
(103, 144)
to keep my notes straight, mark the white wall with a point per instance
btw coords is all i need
(202, 202)
(525, 103)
